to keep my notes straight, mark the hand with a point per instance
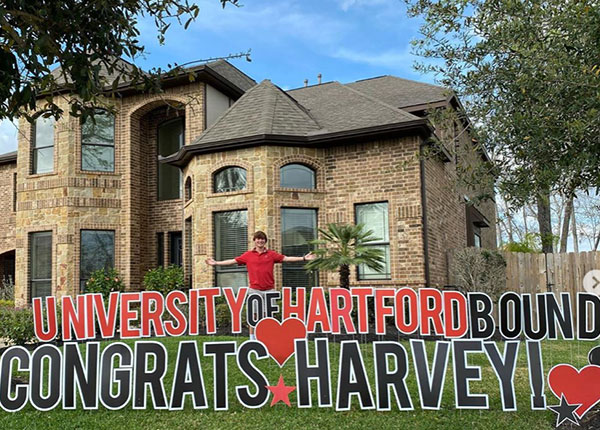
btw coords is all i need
(210, 261)
(310, 256)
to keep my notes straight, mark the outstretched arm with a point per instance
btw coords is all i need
(212, 262)
(307, 257)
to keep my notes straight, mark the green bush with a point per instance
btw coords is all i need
(7, 289)
(481, 270)
(223, 316)
(16, 325)
(7, 303)
(164, 279)
(104, 281)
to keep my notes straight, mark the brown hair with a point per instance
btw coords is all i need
(259, 235)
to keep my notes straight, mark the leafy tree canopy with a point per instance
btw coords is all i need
(528, 72)
(87, 39)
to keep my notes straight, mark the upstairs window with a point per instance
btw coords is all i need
(230, 179)
(170, 139)
(98, 142)
(43, 146)
(297, 176)
(374, 216)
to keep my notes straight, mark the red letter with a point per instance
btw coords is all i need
(381, 310)
(209, 305)
(402, 312)
(433, 313)
(342, 312)
(170, 327)
(363, 317)
(235, 306)
(106, 322)
(451, 297)
(38, 326)
(128, 315)
(152, 315)
(317, 311)
(299, 309)
(73, 316)
(193, 313)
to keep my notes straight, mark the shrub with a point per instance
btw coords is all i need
(164, 279)
(7, 304)
(7, 289)
(104, 281)
(16, 325)
(482, 270)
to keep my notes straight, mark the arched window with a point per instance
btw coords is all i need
(188, 189)
(170, 139)
(229, 179)
(43, 145)
(297, 176)
(98, 142)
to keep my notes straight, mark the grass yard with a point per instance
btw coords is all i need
(281, 417)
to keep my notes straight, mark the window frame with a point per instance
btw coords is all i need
(238, 268)
(35, 148)
(383, 276)
(114, 253)
(32, 280)
(308, 167)
(158, 163)
(313, 278)
(113, 146)
(222, 170)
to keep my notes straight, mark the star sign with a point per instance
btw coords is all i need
(565, 411)
(281, 392)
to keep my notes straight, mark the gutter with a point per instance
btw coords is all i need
(185, 154)
(9, 157)
(424, 214)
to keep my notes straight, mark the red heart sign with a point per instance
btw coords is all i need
(279, 337)
(578, 386)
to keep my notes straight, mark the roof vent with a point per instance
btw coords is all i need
(319, 76)
(306, 82)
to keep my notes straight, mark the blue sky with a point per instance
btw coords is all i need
(291, 40)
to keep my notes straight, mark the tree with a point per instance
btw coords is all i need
(346, 245)
(528, 74)
(87, 40)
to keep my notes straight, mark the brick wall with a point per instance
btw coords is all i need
(7, 220)
(346, 175)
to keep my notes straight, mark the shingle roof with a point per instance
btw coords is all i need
(401, 93)
(264, 109)
(8, 157)
(337, 107)
(110, 77)
(232, 74)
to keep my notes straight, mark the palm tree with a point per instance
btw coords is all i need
(346, 245)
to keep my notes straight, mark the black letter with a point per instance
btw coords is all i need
(21, 356)
(37, 377)
(384, 378)
(143, 376)
(122, 375)
(86, 380)
(430, 386)
(320, 372)
(188, 363)
(481, 315)
(352, 378)
(220, 350)
(256, 376)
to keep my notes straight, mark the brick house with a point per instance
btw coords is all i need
(236, 156)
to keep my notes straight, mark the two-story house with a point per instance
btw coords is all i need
(235, 157)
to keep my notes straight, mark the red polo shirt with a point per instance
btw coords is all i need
(260, 267)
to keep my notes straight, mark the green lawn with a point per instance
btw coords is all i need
(282, 417)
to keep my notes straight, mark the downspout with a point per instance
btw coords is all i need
(424, 213)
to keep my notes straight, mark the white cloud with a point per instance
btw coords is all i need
(8, 136)
(345, 5)
(388, 59)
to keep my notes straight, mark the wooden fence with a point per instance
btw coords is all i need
(536, 273)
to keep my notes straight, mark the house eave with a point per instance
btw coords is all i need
(419, 127)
